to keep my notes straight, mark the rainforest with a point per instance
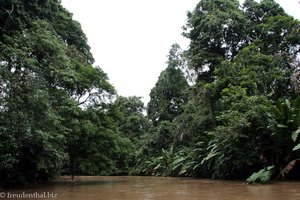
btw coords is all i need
(227, 107)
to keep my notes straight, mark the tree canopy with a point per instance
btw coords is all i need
(244, 57)
(59, 114)
(53, 101)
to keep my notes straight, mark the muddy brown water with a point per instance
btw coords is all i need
(156, 188)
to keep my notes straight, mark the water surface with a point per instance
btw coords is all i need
(158, 188)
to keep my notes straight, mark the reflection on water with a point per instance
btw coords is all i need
(158, 188)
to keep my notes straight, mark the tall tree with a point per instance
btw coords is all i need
(132, 121)
(216, 29)
(244, 59)
(169, 93)
(46, 73)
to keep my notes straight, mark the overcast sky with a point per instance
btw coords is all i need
(130, 39)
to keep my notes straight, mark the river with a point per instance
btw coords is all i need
(154, 188)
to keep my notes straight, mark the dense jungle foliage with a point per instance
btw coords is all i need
(227, 107)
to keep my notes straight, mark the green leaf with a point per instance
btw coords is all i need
(262, 176)
(252, 178)
(281, 126)
(296, 147)
(157, 167)
(270, 167)
(297, 102)
(209, 156)
(295, 135)
(179, 160)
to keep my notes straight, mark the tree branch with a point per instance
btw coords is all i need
(9, 14)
